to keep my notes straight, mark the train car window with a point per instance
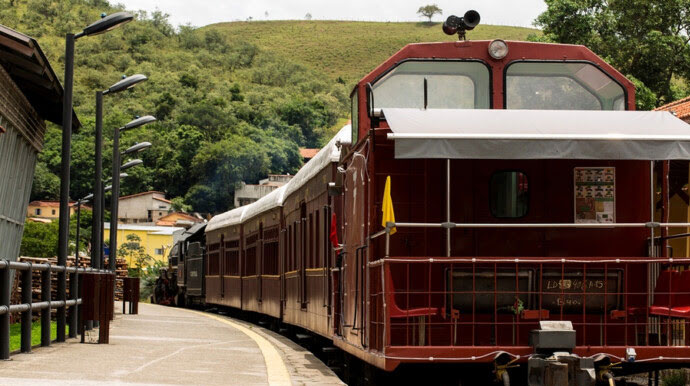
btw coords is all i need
(213, 267)
(509, 194)
(270, 255)
(561, 86)
(250, 253)
(435, 85)
(231, 265)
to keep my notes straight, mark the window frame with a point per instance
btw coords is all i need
(579, 61)
(370, 109)
(354, 115)
(529, 196)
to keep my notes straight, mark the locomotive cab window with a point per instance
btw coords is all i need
(561, 86)
(435, 85)
(509, 194)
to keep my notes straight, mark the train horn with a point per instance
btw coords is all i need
(450, 26)
(460, 25)
(471, 19)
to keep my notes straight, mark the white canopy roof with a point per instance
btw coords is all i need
(265, 203)
(327, 155)
(231, 217)
(538, 134)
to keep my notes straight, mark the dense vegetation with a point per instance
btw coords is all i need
(649, 41)
(235, 101)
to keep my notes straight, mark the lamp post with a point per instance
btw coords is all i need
(101, 224)
(116, 183)
(112, 262)
(96, 234)
(76, 242)
(106, 23)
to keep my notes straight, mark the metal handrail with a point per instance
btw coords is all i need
(27, 306)
(449, 225)
(538, 225)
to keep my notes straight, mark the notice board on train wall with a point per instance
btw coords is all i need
(595, 194)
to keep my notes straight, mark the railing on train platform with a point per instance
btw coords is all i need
(28, 306)
(496, 301)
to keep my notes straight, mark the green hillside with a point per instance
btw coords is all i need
(349, 49)
(234, 101)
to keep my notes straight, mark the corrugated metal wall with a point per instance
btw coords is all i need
(17, 162)
(19, 147)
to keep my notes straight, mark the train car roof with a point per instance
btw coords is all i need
(197, 228)
(537, 134)
(265, 203)
(327, 155)
(229, 218)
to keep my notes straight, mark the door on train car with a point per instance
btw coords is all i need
(221, 266)
(355, 252)
(195, 271)
(260, 263)
(514, 191)
(303, 256)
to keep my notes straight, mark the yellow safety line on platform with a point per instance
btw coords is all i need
(276, 371)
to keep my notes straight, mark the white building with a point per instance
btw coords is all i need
(143, 208)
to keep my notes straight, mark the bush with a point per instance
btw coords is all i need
(675, 378)
(148, 278)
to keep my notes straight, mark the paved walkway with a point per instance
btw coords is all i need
(171, 346)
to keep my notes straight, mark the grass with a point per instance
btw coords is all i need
(15, 334)
(349, 49)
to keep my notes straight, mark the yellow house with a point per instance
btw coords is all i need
(157, 240)
(50, 209)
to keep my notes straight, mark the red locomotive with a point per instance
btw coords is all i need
(496, 206)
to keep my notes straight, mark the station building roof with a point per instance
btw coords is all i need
(22, 58)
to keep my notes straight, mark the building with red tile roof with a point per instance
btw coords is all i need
(50, 209)
(679, 108)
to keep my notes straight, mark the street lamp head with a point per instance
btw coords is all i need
(108, 188)
(122, 175)
(126, 83)
(137, 148)
(87, 198)
(141, 121)
(106, 24)
(131, 163)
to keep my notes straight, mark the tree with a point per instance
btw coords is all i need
(307, 16)
(178, 205)
(646, 39)
(39, 239)
(135, 253)
(429, 11)
(46, 185)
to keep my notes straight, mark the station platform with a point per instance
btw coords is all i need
(171, 346)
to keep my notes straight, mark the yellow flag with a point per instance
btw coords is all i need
(387, 206)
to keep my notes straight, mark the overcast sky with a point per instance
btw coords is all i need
(203, 12)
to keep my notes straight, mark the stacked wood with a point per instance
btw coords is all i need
(120, 273)
(84, 262)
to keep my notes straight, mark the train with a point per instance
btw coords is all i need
(497, 207)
